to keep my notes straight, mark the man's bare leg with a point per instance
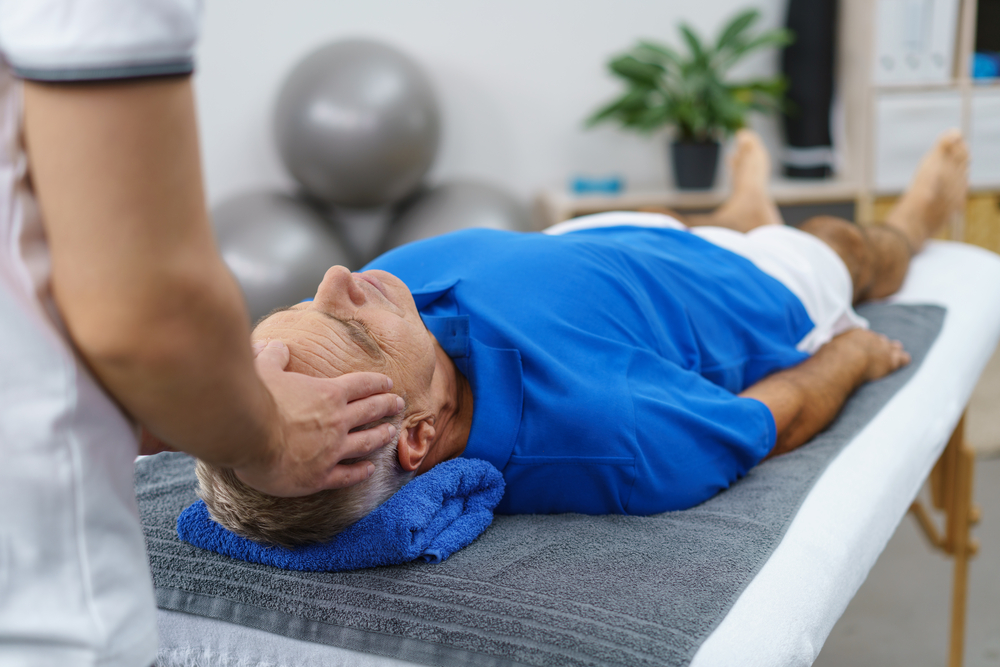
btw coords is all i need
(937, 193)
(805, 398)
(750, 204)
(878, 257)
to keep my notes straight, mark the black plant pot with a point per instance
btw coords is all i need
(694, 163)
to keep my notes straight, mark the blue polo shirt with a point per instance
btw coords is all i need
(604, 364)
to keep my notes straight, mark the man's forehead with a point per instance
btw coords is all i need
(274, 317)
(279, 317)
(316, 322)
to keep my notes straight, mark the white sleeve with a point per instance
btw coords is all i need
(84, 40)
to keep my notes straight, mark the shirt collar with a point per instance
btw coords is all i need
(497, 388)
(496, 408)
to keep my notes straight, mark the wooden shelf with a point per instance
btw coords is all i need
(942, 86)
(954, 85)
(557, 205)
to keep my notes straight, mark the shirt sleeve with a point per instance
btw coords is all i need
(86, 40)
(694, 438)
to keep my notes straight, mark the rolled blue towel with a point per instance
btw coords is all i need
(430, 518)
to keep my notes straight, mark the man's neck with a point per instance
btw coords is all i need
(454, 421)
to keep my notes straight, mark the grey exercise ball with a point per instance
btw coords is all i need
(277, 247)
(457, 205)
(357, 124)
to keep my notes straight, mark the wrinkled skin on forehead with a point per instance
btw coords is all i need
(357, 322)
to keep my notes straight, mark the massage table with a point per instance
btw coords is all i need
(779, 615)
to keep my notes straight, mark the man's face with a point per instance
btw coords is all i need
(357, 322)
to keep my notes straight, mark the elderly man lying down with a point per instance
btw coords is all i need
(629, 364)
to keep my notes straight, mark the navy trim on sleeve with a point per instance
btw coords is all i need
(170, 68)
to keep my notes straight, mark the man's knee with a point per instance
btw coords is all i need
(892, 252)
(851, 243)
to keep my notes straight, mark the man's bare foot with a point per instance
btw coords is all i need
(937, 192)
(750, 204)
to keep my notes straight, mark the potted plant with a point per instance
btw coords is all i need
(690, 92)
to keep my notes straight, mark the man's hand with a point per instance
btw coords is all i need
(804, 399)
(315, 417)
(884, 355)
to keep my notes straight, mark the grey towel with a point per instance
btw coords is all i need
(532, 590)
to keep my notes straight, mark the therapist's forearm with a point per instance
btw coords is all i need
(804, 399)
(135, 271)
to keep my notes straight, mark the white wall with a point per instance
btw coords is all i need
(515, 79)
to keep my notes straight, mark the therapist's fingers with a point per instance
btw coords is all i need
(273, 356)
(361, 385)
(349, 474)
(361, 443)
(371, 409)
(321, 423)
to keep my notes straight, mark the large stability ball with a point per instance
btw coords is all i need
(458, 205)
(357, 124)
(278, 248)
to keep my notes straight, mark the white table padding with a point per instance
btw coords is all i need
(788, 610)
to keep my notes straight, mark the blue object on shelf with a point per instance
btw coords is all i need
(605, 185)
(985, 65)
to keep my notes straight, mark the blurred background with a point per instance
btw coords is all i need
(515, 80)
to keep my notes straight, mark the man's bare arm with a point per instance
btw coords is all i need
(804, 399)
(152, 307)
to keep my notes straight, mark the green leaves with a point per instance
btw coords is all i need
(652, 52)
(666, 87)
(628, 108)
(636, 71)
(698, 52)
(736, 28)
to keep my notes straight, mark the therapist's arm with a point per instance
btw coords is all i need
(804, 399)
(152, 307)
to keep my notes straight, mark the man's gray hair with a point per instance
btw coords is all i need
(291, 522)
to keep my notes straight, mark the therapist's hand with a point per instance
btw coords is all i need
(315, 417)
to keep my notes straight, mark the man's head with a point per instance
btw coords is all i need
(356, 322)
(369, 322)
(291, 522)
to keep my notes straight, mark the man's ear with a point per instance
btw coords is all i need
(415, 444)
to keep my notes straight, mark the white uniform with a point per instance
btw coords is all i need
(74, 584)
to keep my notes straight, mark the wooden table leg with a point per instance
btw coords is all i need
(951, 491)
